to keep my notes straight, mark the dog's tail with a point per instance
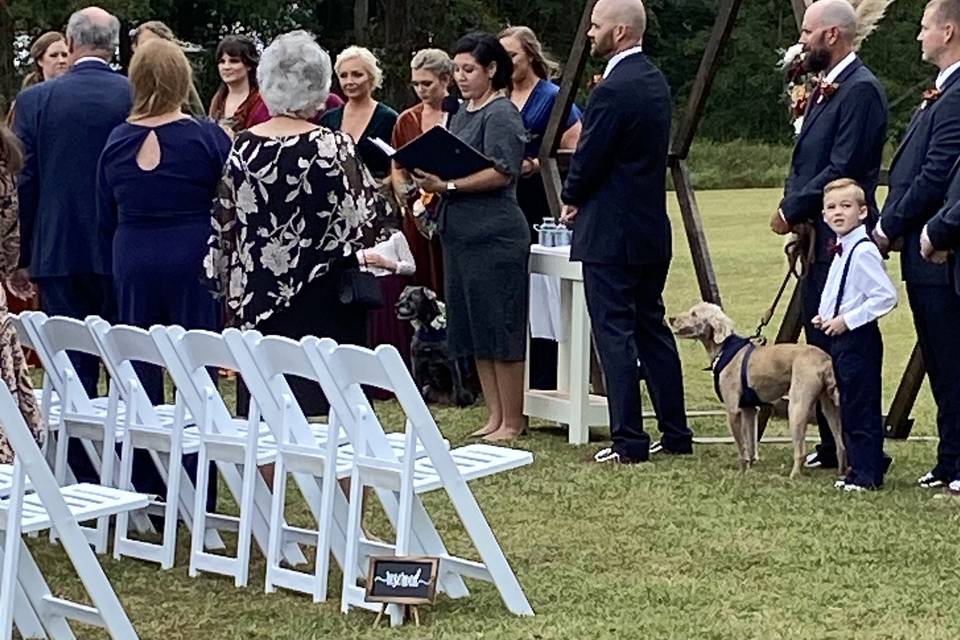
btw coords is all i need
(830, 384)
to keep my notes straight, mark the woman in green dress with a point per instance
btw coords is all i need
(362, 117)
(485, 236)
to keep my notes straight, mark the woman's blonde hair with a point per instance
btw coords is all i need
(543, 65)
(436, 61)
(161, 77)
(366, 57)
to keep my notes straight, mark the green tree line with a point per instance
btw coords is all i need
(746, 101)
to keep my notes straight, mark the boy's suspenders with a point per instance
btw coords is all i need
(843, 277)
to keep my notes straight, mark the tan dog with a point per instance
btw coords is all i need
(803, 373)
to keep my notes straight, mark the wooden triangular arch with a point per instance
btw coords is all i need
(898, 422)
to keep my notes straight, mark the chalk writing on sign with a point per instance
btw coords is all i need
(399, 579)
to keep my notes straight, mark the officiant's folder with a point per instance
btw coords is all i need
(438, 152)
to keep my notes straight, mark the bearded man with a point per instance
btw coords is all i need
(843, 133)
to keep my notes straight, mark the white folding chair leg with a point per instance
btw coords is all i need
(11, 551)
(30, 588)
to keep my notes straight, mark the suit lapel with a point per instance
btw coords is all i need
(817, 109)
(919, 114)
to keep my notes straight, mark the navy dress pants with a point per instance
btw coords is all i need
(936, 309)
(79, 296)
(857, 363)
(626, 310)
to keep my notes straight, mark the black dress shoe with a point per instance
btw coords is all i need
(931, 480)
(818, 460)
(609, 456)
(658, 447)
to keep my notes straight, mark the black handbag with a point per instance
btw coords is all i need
(360, 287)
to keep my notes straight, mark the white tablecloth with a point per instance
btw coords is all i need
(546, 320)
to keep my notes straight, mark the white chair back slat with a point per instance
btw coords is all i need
(53, 338)
(120, 346)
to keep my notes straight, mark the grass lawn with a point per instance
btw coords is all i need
(682, 548)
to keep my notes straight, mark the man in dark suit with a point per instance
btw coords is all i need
(842, 136)
(63, 124)
(616, 196)
(919, 177)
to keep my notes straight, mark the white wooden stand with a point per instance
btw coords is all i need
(571, 403)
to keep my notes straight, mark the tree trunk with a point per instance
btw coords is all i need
(8, 77)
(361, 20)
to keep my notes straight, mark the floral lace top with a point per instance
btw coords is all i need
(9, 225)
(287, 208)
(13, 366)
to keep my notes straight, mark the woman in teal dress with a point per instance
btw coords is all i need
(485, 237)
(362, 117)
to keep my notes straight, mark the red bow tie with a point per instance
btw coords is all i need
(834, 247)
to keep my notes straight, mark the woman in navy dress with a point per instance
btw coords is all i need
(158, 175)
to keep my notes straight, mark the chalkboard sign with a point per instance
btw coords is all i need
(402, 580)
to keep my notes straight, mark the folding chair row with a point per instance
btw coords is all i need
(26, 600)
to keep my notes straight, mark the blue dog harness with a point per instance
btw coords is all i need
(728, 349)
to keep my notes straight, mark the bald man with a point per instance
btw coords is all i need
(65, 248)
(843, 133)
(614, 197)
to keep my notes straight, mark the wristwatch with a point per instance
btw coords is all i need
(451, 186)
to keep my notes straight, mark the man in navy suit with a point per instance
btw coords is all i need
(842, 136)
(63, 124)
(615, 194)
(919, 177)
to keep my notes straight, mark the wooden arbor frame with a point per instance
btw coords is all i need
(898, 422)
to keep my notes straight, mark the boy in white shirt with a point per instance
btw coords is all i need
(857, 293)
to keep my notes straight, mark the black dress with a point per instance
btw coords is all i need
(288, 210)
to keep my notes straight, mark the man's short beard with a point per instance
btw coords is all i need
(817, 60)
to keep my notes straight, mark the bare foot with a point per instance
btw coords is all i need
(485, 430)
(506, 433)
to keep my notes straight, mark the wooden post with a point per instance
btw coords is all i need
(799, 8)
(549, 171)
(898, 422)
(693, 225)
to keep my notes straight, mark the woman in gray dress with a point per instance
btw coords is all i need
(485, 236)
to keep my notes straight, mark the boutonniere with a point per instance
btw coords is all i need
(929, 97)
(827, 89)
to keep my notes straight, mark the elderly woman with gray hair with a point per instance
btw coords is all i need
(294, 206)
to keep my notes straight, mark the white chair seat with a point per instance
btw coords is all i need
(85, 501)
(473, 461)
(6, 480)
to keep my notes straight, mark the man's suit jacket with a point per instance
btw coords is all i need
(842, 137)
(919, 178)
(944, 228)
(617, 175)
(63, 125)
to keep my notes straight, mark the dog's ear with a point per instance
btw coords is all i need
(721, 325)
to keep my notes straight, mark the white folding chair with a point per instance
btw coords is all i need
(93, 421)
(264, 363)
(343, 370)
(146, 428)
(25, 598)
(227, 441)
(45, 396)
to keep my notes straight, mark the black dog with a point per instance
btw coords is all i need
(439, 378)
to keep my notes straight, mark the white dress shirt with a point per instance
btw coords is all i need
(396, 250)
(868, 293)
(615, 60)
(946, 73)
(834, 73)
(89, 58)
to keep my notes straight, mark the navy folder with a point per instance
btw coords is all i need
(438, 152)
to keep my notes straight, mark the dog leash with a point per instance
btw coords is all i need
(794, 257)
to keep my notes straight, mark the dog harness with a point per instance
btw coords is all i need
(728, 349)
